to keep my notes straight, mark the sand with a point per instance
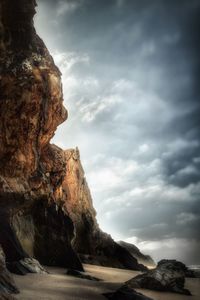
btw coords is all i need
(58, 286)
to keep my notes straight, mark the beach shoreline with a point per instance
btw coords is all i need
(59, 286)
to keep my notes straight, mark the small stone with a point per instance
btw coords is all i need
(78, 274)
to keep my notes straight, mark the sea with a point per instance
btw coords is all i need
(195, 268)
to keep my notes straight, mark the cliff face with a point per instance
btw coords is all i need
(32, 221)
(93, 245)
(45, 203)
(78, 203)
(135, 252)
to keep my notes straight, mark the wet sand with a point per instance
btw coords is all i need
(58, 286)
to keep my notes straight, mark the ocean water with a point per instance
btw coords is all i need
(194, 267)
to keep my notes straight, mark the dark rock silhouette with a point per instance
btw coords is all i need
(169, 275)
(126, 293)
(173, 264)
(81, 275)
(7, 284)
(135, 252)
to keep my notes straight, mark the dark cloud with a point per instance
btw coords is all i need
(130, 77)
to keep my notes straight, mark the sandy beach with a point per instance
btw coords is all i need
(58, 286)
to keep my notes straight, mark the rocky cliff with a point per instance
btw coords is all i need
(45, 202)
(135, 252)
(32, 221)
(92, 245)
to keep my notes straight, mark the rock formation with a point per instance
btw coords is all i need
(32, 220)
(81, 275)
(146, 260)
(169, 275)
(45, 202)
(126, 293)
(92, 245)
(46, 210)
(7, 285)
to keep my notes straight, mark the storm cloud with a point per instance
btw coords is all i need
(130, 73)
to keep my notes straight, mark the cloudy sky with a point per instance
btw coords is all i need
(129, 71)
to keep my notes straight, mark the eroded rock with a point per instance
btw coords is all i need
(53, 234)
(126, 293)
(93, 245)
(168, 276)
(172, 264)
(7, 284)
(26, 265)
(44, 203)
(31, 169)
(144, 259)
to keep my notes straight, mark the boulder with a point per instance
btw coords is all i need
(172, 264)
(169, 275)
(26, 265)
